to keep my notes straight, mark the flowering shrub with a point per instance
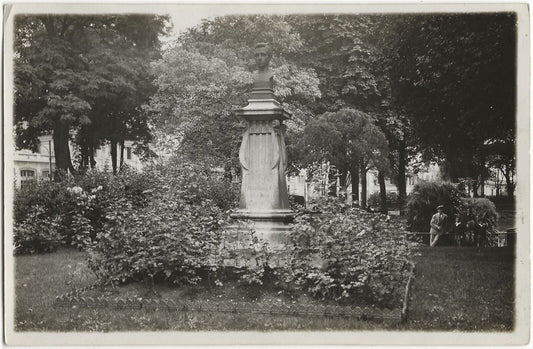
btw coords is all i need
(346, 254)
(167, 224)
(83, 206)
(176, 235)
(77, 205)
(50, 214)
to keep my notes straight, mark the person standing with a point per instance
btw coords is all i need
(459, 230)
(438, 225)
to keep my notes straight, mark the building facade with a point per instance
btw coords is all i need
(28, 165)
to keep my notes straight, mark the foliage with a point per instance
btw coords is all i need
(349, 139)
(501, 156)
(484, 210)
(37, 232)
(175, 235)
(345, 137)
(83, 73)
(426, 196)
(80, 206)
(455, 75)
(423, 201)
(207, 75)
(392, 200)
(342, 51)
(76, 205)
(347, 255)
(486, 218)
(61, 210)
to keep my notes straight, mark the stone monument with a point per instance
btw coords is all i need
(264, 199)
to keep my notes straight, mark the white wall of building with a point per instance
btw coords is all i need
(298, 185)
(29, 165)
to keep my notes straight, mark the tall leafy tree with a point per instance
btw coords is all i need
(348, 54)
(207, 74)
(350, 140)
(455, 75)
(84, 74)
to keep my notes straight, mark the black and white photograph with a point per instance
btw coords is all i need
(266, 174)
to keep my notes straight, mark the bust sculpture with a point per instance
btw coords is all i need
(263, 77)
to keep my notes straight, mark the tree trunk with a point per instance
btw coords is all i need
(363, 186)
(342, 183)
(475, 186)
(354, 173)
(332, 181)
(509, 184)
(84, 152)
(61, 149)
(91, 158)
(402, 163)
(382, 192)
(114, 156)
(121, 153)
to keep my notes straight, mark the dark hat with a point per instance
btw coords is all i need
(440, 207)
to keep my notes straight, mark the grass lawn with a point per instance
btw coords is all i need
(454, 289)
(461, 288)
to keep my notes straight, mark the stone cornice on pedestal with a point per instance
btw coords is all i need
(272, 214)
(263, 109)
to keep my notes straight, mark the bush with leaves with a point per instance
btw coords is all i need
(393, 201)
(37, 232)
(423, 201)
(347, 255)
(486, 218)
(78, 205)
(175, 236)
(51, 209)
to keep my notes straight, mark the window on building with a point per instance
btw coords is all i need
(27, 174)
(128, 153)
(46, 174)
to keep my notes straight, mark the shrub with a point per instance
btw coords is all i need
(424, 199)
(37, 232)
(82, 204)
(55, 208)
(346, 254)
(50, 196)
(486, 217)
(78, 204)
(484, 211)
(393, 201)
(176, 236)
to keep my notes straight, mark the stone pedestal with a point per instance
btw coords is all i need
(264, 201)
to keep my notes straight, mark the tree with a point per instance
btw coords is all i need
(455, 76)
(84, 75)
(207, 75)
(350, 55)
(350, 140)
(502, 157)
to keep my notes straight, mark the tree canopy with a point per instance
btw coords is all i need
(455, 75)
(207, 74)
(429, 83)
(87, 74)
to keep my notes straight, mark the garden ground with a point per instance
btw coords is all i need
(454, 289)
